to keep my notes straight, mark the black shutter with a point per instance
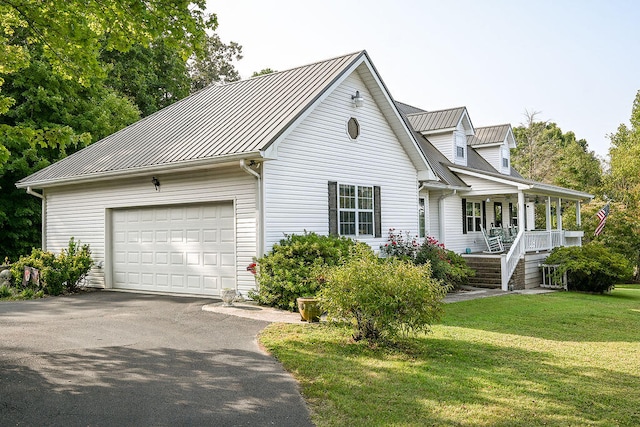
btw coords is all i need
(484, 215)
(464, 216)
(333, 208)
(377, 212)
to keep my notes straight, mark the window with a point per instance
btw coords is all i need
(355, 211)
(505, 163)
(497, 214)
(460, 152)
(422, 226)
(513, 214)
(353, 128)
(473, 216)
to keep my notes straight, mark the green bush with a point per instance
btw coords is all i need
(5, 291)
(288, 271)
(384, 297)
(400, 245)
(58, 274)
(446, 266)
(590, 268)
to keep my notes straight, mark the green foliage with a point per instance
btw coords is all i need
(216, 65)
(31, 150)
(290, 270)
(5, 291)
(58, 273)
(446, 266)
(263, 72)
(385, 297)
(544, 153)
(590, 268)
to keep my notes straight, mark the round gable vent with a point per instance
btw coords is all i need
(353, 128)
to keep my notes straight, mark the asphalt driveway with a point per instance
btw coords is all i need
(109, 358)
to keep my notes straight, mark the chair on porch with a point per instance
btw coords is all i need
(494, 243)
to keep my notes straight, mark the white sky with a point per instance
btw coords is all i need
(577, 62)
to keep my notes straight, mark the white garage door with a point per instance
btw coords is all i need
(183, 249)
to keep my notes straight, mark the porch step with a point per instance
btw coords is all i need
(488, 271)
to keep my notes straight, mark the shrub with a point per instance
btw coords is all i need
(590, 268)
(384, 297)
(446, 266)
(288, 271)
(5, 291)
(400, 245)
(57, 273)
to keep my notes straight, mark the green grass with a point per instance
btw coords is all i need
(561, 359)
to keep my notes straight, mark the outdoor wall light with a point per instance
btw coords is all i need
(156, 183)
(357, 99)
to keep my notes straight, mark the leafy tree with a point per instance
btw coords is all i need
(263, 72)
(623, 183)
(216, 65)
(20, 213)
(544, 153)
(73, 32)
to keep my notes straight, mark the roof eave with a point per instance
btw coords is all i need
(190, 165)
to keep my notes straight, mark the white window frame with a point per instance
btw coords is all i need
(352, 205)
(506, 158)
(476, 220)
(422, 217)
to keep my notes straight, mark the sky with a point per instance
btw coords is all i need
(575, 62)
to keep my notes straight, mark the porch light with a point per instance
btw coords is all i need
(156, 183)
(357, 99)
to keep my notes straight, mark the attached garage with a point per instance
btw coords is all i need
(187, 249)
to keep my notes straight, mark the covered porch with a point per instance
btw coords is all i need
(530, 223)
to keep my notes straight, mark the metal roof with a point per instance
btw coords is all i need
(490, 135)
(408, 109)
(436, 120)
(218, 121)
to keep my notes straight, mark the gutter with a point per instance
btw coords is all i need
(259, 207)
(43, 216)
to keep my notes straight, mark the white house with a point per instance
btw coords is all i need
(183, 200)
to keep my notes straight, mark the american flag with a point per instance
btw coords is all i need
(602, 217)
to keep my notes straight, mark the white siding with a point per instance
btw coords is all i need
(444, 143)
(81, 211)
(460, 140)
(485, 187)
(434, 215)
(532, 273)
(319, 150)
(494, 155)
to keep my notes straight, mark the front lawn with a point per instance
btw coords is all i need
(561, 359)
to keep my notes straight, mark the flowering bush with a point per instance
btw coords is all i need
(446, 266)
(400, 245)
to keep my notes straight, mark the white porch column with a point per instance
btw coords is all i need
(548, 211)
(522, 213)
(559, 213)
(578, 218)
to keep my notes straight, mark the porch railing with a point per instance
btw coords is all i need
(533, 241)
(509, 261)
(543, 240)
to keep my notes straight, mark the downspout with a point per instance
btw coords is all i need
(259, 213)
(43, 216)
(441, 214)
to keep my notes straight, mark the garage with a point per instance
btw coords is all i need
(185, 249)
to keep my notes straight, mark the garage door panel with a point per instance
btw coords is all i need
(188, 249)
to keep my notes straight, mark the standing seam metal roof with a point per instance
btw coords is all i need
(219, 120)
(490, 135)
(436, 120)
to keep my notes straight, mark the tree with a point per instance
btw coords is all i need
(544, 153)
(623, 183)
(152, 76)
(216, 65)
(263, 72)
(74, 32)
(50, 60)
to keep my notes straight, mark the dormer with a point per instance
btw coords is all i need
(494, 144)
(448, 131)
